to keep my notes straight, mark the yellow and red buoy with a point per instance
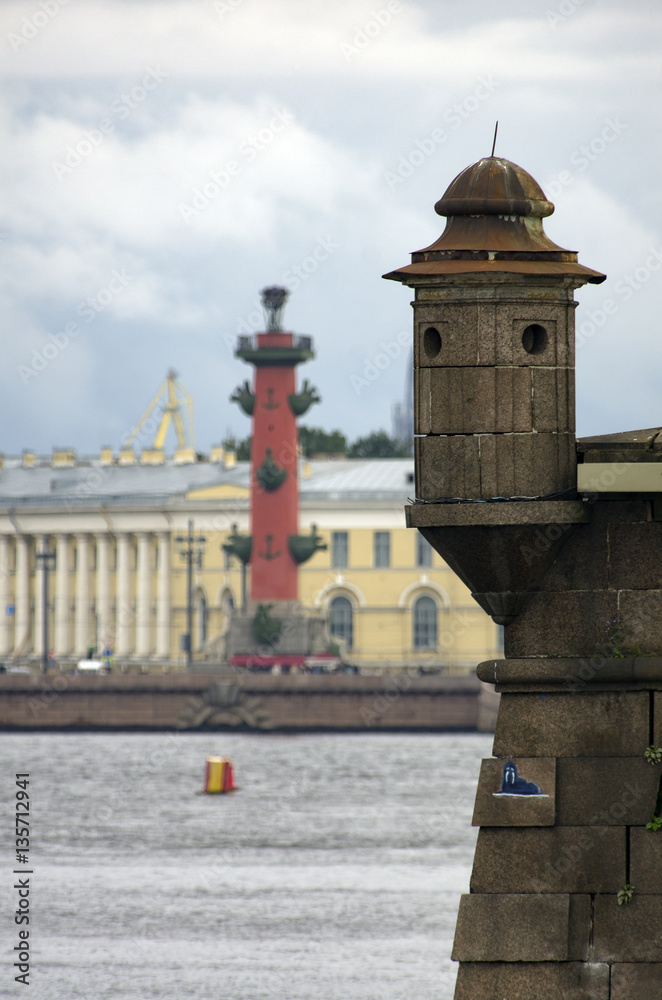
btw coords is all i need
(219, 776)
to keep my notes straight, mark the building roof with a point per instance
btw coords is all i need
(91, 483)
(357, 479)
(108, 483)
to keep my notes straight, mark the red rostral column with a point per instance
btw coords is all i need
(274, 405)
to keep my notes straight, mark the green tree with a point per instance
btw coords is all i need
(315, 441)
(242, 449)
(377, 445)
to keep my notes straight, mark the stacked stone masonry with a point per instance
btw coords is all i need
(549, 894)
(581, 700)
(494, 389)
(542, 919)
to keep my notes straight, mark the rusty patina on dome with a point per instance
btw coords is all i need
(494, 210)
(494, 186)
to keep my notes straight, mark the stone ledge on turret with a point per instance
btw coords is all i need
(573, 673)
(503, 512)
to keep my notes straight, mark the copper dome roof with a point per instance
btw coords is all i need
(494, 186)
(494, 210)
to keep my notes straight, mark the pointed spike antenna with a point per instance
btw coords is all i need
(496, 129)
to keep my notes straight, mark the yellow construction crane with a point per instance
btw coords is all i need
(168, 405)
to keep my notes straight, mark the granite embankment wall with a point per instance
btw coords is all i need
(285, 702)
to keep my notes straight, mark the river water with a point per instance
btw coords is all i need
(333, 874)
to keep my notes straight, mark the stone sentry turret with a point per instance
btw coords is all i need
(494, 342)
(575, 578)
(494, 362)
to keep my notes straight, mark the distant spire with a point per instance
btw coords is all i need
(402, 414)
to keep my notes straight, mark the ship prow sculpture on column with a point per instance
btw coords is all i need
(273, 628)
(566, 890)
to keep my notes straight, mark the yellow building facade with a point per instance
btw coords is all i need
(118, 530)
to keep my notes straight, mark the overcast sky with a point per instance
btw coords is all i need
(164, 161)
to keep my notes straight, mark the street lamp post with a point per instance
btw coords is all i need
(191, 552)
(47, 560)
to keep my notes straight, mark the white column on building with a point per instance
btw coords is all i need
(123, 615)
(39, 610)
(104, 632)
(62, 641)
(22, 602)
(82, 625)
(6, 620)
(163, 597)
(143, 593)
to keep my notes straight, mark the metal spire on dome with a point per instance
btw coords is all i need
(494, 211)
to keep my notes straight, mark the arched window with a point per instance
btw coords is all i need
(227, 603)
(341, 624)
(201, 607)
(425, 623)
(225, 607)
